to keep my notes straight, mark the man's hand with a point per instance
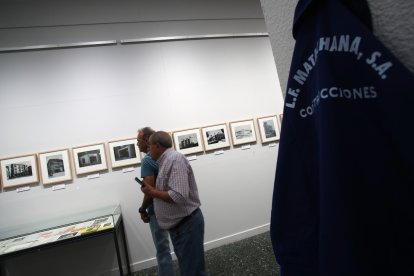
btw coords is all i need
(152, 192)
(147, 190)
(145, 217)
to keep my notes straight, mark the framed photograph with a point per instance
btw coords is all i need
(89, 159)
(243, 132)
(188, 141)
(124, 153)
(55, 166)
(215, 137)
(19, 170)
(269, 129)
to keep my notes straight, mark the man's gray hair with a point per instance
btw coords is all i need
(162, 138)
(147, 132)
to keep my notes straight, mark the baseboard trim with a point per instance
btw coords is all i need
(237, 236)
(145, 264)
(140, 265)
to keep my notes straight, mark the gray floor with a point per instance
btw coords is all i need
(252, 256)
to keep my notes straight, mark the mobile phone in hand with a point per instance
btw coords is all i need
(139, 181)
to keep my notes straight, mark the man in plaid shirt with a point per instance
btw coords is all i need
(177, 203)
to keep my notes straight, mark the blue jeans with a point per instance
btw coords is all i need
(188, 241)
(162, 245)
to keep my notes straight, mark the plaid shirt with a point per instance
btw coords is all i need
(175, 176)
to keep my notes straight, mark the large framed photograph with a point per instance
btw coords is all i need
(124, 153)
(269, 129)
(55, 166)
(215, 137)
(243, 132)
(188, 141)
(19, 170)
(89, 159)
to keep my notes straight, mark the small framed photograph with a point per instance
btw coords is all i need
(89, 159)
(19, 170)
(188, 141)
(269, 129)
(55, 166)
(124, 153)
(243, 132)
(215, 137)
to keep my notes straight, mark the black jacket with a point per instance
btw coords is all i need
(343, 200)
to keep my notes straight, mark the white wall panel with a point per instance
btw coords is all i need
(65, 98)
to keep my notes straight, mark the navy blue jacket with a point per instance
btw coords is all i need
(343, 201)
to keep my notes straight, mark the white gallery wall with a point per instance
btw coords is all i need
(64, 98)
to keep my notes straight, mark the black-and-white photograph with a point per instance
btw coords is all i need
(216, 136)
(269, 129)
(187, 141)
(18, 170)
(244, 131)
(55, 166)
(89, 158)
(124, 152)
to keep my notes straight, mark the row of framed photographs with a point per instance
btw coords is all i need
(55, 166)
(191, 141)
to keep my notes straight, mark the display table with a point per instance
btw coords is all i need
(30, 239)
